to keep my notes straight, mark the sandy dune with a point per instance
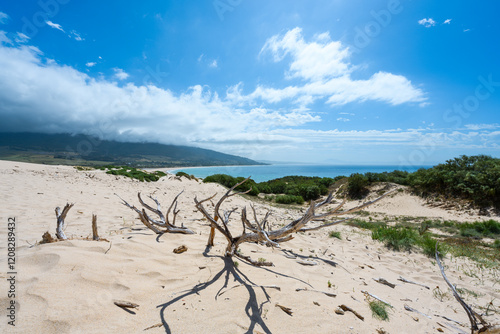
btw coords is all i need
(69, 287)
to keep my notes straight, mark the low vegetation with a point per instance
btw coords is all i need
(289, 189)
(379, 310)
(472, 178)
(133, 173)
(455, 238)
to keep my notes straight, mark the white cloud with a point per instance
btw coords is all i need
(76, 36)
(54, 25)
(3, 38)
(213, 64)
(320, 59)
(120, 74)
(37, 95)
(21, 38)
(447, 21)
(3, 18)
(325, 68)
(427, 22)
(342, 119)
(91, 64)
(466, 30)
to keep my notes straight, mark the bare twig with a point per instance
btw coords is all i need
(402, 279)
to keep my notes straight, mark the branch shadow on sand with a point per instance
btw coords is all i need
(253, 308)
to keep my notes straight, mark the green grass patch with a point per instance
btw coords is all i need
(334, 234)
(397, 238)
(379, 310)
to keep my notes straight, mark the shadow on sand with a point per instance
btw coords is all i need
(253, 308)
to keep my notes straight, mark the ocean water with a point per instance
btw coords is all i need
(270, 172)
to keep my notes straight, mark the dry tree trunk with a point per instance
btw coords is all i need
(60, 220)
(486, 328)
(163, 221)
(257, 230)
(95, 235)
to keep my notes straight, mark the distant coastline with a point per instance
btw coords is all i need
(261, 173)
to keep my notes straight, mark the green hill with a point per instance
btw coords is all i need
(69, 149)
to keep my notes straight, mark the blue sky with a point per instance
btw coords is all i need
(379, 82)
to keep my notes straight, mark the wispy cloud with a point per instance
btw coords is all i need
(213, 64)
(466, 30)
(3, 18)
(3, 38)
(76, 36)
(120, 74)
(21, 38)
(429, 22)
(90, 64)
(54, 25)
(447, 21)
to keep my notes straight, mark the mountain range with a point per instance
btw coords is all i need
(67, 149)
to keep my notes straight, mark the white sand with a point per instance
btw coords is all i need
(69, 287)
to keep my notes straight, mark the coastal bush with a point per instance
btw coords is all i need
(474, 178)
(228, 181)
(357, 186)
(134, 173)
(289, 199)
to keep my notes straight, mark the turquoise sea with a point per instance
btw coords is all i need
(269, 172)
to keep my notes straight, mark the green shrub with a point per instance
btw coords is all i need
(289, 199)
(357, 186)
(397, 238)
(133, 173)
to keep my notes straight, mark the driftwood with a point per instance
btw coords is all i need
(95, 235)
(347, 308)
(125, 304)
(180, 249)
(285, 309)
(162, 225)
(61, 215)
(377, 298)
(416, 311)
(470, 313)
(402, 279)
(384, 281)
(259, 231)
(329, 294)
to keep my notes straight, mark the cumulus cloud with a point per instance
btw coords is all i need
(43, 96)
(325, 69)
(447, 21)
(427, 22)
(90, 64)
(54, 25)
(120, 74)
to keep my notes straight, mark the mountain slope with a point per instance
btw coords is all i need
(86, 150)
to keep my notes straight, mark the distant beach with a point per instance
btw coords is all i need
(270, 172)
